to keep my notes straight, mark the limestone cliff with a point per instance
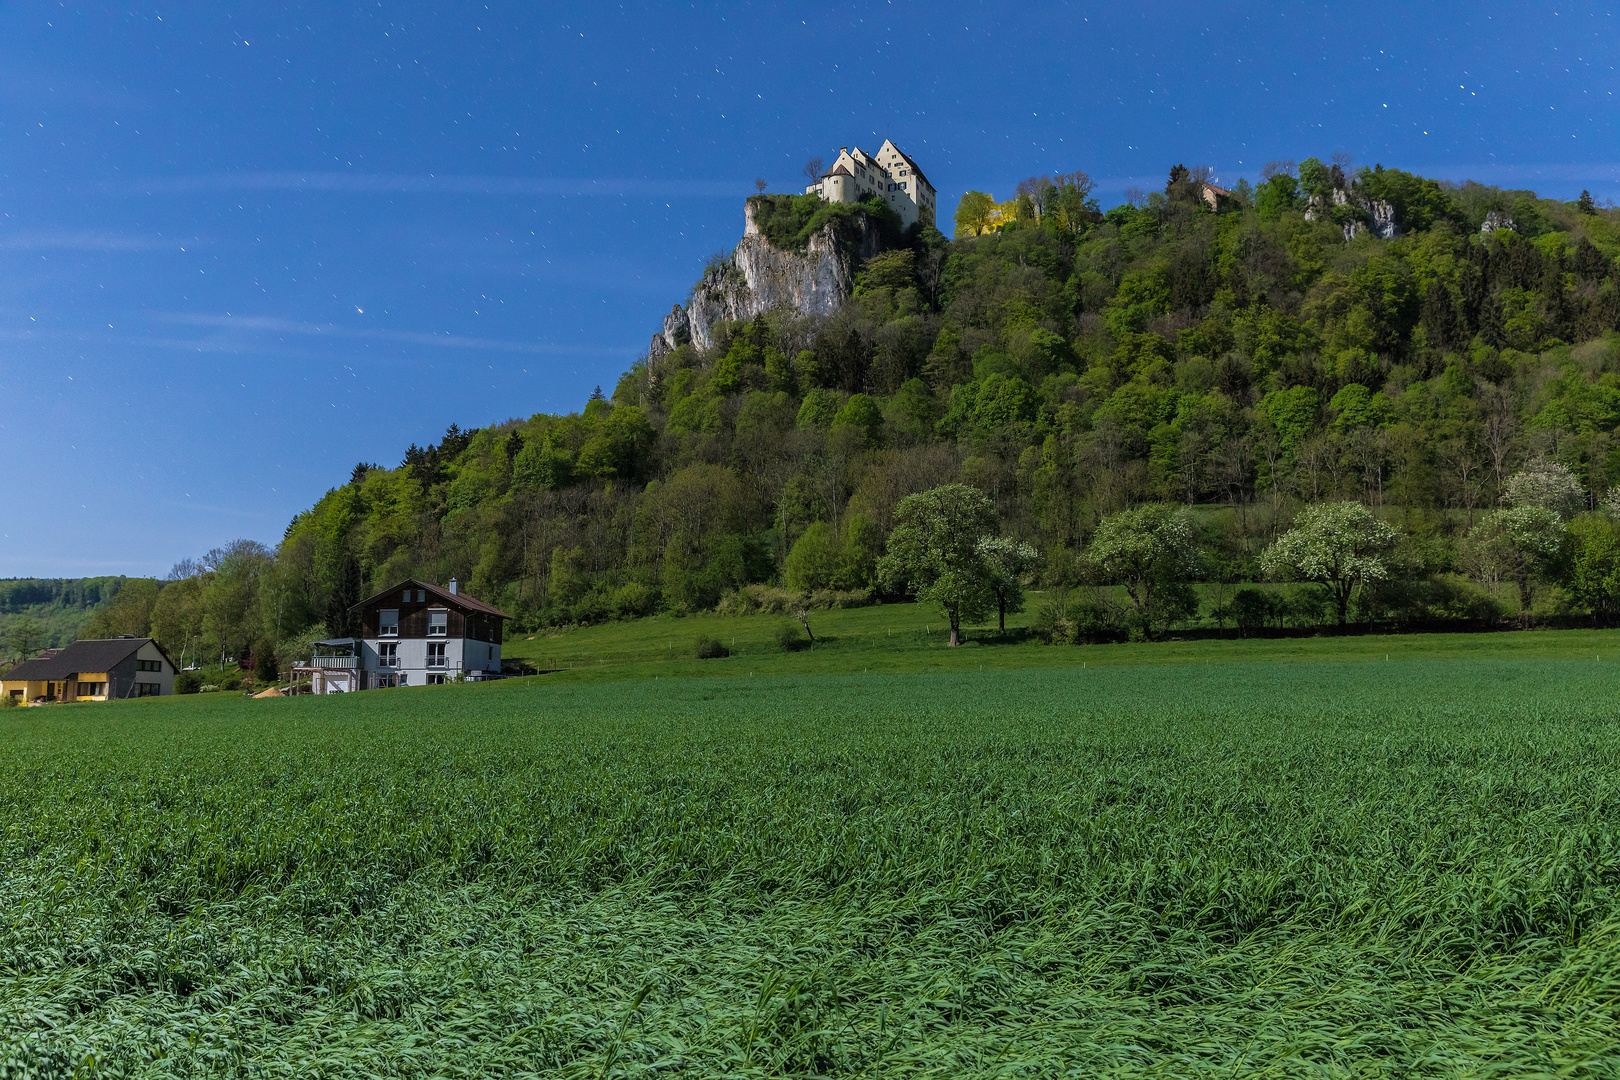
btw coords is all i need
(1356, 213)
(759, 278)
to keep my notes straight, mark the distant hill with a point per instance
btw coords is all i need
(59, 607)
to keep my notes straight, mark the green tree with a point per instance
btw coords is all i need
(1151, 551)
(935, 552)
(1343, 545)
(1520, 544)
(1593, 574)
(1009, 562)
(974, 214)
(813, 561)
(893, 270)
(130, 612)
(861, 415)
(24, 636)
(177, 616)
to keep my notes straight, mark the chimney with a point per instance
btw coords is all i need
(452, 586)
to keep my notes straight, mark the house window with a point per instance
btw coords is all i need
(388, 654)
(405, 599)
(435, 680)
(147, 689)
(421, 596)
(148, 665)
(388, 622)
(435, 654)
(92, 689)
(438, 623)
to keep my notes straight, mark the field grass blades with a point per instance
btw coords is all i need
(1249, 868)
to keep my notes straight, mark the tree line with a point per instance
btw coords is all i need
(1261, 357)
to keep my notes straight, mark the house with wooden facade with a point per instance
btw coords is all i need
(411, 634)
(97, 669)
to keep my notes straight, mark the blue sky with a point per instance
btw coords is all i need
(243, 247)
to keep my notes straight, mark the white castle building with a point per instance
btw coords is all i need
(888, 174)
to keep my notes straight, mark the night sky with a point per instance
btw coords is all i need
(243, 247)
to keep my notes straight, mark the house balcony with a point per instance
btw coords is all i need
(332, 662)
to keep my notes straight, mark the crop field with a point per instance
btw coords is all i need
(1258, 867)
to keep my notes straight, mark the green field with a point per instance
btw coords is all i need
(1178, 860)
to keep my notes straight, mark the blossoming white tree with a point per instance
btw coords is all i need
(1342, 545)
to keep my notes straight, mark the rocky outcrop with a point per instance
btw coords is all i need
(759, 278)
(1383, 219)
(1357, 213)
(677, 331)
(1495, 220)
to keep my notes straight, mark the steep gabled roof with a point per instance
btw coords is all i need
(94, 654)
(454, 599)
(837, 170)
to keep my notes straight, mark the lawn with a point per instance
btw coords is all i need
(1152, 865)
(912, 637)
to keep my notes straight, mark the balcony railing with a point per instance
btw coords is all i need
(333, 662)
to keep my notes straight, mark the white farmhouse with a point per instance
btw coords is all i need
(888, 174)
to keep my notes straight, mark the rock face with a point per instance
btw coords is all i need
(1383, 219)
(759, 278)
(1376, 215)
(1494, 220)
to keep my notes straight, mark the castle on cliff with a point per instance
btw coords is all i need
(758, 277)
(888, 174)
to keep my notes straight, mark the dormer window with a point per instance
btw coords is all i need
(438, 623)
(388, 622)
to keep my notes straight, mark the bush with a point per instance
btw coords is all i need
(233, 683)
(633, 600)
(208, 688)
(7, 701)
(1063, 620)
(711, 649)
(790, 639)
(187, 682)
(1252, 610)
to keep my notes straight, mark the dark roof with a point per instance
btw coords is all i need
(94, 654)
(456, 599)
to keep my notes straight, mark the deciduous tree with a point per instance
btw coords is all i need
(1009, 562)
(1151, 551)
(1520, 544)
(1343, 545)
(936, 552)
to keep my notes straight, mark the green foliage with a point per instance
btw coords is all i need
(1072, 363)
(789, 221)
(710, 649)
(1594, 566)
(862, 416)
(1151, 551)
(1342, 545)
(1522, 544)
(937, 553)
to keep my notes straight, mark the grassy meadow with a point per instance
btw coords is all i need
(1188, 859)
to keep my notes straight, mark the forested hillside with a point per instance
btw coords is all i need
(1382, 338)
(37, 613)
